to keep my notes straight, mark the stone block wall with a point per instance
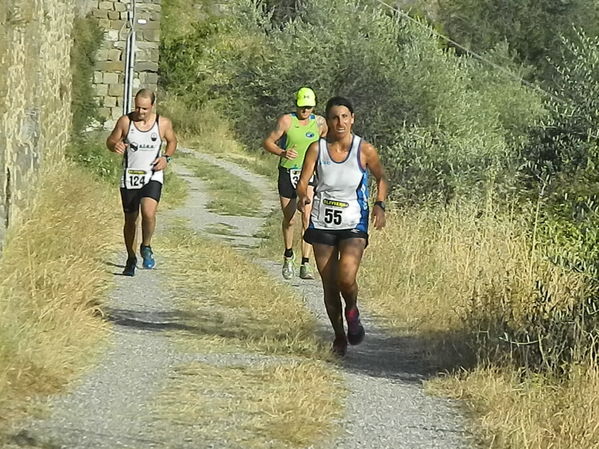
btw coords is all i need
(110, 65)
(35, 96)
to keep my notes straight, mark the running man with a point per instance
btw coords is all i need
(338, 229)
(138, 137)
(295, 132)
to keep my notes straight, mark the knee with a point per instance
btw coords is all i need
(130, 219)
(346, 284)
(288, 220)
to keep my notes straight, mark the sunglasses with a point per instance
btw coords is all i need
(306, 107)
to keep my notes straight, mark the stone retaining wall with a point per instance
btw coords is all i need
(35, 96)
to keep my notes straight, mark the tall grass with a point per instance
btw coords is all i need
(480, 291)
(52, 278)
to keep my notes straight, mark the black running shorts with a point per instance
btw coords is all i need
(333, 237)
(286, 189)
(131, 198)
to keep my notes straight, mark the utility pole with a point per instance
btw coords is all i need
(129, 60)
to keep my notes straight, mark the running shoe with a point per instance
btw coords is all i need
(288, 269)
(355, 330)
(339, 346)
(306, 271)
(130, 266)
(148, 256)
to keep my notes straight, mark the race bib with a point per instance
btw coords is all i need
(294, 176)
(136, 178)
(333, 213)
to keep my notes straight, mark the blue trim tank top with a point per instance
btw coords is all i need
(341, 192)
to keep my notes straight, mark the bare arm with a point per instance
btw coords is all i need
(322, 125)
(370, 160)
(166, 127)
(308, 170)
(115, 141)
(270, 143)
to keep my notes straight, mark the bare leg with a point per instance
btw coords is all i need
(129, 232)
(327, 264)
(148, 219)
(351, 251)
(288, 206)
(306, 247)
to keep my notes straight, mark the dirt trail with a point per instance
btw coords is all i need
(110, 407)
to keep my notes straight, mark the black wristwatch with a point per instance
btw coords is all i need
(380, 204)
(168, 158)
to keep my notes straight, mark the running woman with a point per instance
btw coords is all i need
(294, 132)
(338, 229)
(138, 137)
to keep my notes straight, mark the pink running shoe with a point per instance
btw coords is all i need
(355, 330)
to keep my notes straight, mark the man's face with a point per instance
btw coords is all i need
(340, 121)
(304, 112)
(143, 107)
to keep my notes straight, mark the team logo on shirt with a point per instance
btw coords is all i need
(133, 146)
(154, 136)
(309, 135)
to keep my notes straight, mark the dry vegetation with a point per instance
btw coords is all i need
(461, 279)
(53, 276)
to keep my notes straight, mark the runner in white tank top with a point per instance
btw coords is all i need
(338, 229)
(138, 137)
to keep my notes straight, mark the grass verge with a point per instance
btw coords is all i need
(53, 278)
(465, 282)
(287, 405)
(230, 195)
(240, 306)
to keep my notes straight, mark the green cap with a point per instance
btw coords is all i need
(305, 97)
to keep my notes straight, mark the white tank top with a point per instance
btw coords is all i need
(341, 192)
(143, 147)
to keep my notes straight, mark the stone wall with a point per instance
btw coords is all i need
(35, 86)
(109, 75)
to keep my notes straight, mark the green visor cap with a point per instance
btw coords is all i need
(305, 97)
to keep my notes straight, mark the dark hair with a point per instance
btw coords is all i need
(146, 93)
(339, 101)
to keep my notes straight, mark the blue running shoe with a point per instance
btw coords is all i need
(148, 257)
(130, 267)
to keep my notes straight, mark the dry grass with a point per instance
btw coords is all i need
(53, 277)
(229, 299)
(288, 405)
(531, 411)
(458, 279)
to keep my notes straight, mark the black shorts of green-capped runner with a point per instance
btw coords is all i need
(131, 198)
(334, 236)
(287, 182)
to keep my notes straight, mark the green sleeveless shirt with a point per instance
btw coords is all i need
(299, 136)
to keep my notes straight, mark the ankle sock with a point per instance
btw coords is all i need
(288, 252)
(305, 260)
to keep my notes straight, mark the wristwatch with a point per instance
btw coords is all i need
(380, 204)
(168, 158)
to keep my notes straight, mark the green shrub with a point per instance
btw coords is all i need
(87, 37)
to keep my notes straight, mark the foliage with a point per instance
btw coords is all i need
(402, 83)
(87, 37)
(532, 28)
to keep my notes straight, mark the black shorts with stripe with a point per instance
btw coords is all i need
(332, 237)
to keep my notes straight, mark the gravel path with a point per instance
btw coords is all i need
(110, 407)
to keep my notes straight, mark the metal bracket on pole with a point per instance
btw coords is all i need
(129, 60)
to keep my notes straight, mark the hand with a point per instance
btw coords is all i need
(120, 147)
(159, 163)
(302, 201)
(378, 217)
(290, 153)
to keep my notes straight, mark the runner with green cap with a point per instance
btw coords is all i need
(293, 134)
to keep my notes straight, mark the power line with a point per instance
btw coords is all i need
(471, 53)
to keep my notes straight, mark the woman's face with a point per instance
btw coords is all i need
(340, 120)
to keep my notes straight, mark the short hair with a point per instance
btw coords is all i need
(338, 101)
(146, 93)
